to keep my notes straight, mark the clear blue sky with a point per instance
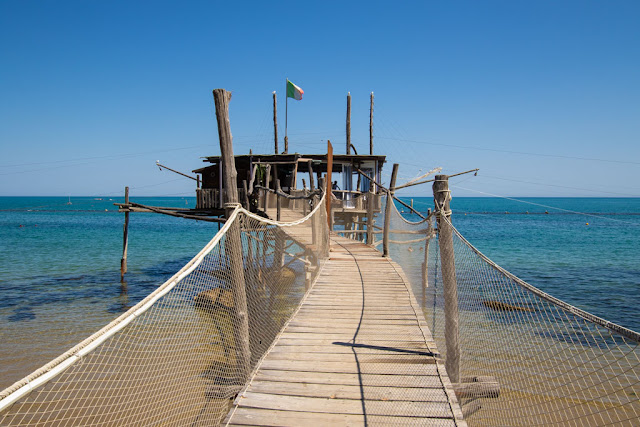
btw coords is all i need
(543, 96)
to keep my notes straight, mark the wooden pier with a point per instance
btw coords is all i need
(358, 351)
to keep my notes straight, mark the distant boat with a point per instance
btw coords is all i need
(69, 202)
(97, 198)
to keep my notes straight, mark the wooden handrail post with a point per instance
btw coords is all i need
(441, 197)
(387, 211)
(125, 237)
(233, 241)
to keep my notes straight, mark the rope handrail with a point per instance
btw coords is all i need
(621, 330)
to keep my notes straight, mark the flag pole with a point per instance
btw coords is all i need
(286, 117)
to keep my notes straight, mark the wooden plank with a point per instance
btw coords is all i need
(345, 406)
(266, 417)
(350, 367)
(329, 391)
(399, 380)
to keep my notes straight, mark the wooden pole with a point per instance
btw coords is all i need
(233, 242)
(278, 201)
(371, 126)
(348, 122)
(245, 196)
(267, 178)
(370, 207)
(387, 211)
(275, 123)
(441, 197)
(311, 182)
(329, 182)
(125, 237)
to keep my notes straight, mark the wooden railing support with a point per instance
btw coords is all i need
(441, 197)
(233, 241)
(387, 211)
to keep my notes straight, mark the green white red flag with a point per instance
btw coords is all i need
(294, 91)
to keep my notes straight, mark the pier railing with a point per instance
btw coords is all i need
(182, 353)
(522, 356)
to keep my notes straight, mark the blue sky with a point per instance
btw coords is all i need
(543, 97)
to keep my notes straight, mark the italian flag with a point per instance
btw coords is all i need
(294, 91)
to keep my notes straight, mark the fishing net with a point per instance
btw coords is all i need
(526, 358)
(183, 353)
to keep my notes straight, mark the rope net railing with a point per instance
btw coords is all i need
(182, 354)
(526, 358)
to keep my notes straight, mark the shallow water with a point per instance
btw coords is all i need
(60, 281)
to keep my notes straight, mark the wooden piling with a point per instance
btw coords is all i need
(387, 211)
(125, 237)
(442, 196)
(275, 123)
(348, 122)
(233, 242)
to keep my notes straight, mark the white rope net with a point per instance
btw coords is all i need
(182, 354)
(526, 358)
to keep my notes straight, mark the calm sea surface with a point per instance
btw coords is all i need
(60, 263)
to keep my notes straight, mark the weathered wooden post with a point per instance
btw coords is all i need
(441, 197)
(275, 123)
(267, 178)
(328, 183)
(370, 207)
(371, 126)
(233, 242)
(278, 201)
(348, 122)
(125, 236)
(387, 211)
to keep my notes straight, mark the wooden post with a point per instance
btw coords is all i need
(348, 122)
(311, 183)
(278, 201)
(275, 123)
(233, 243)
(371, 126)
(267, 178)
(245, 197)
(286, 145)
(441, 197)
(370, 207)
(329, 182)
(387, 211)
(125, 237)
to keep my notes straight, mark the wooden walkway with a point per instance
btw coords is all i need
(357, 352)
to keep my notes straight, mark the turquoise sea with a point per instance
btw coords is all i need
(60, 263)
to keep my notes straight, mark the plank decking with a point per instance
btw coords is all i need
(357, 352)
